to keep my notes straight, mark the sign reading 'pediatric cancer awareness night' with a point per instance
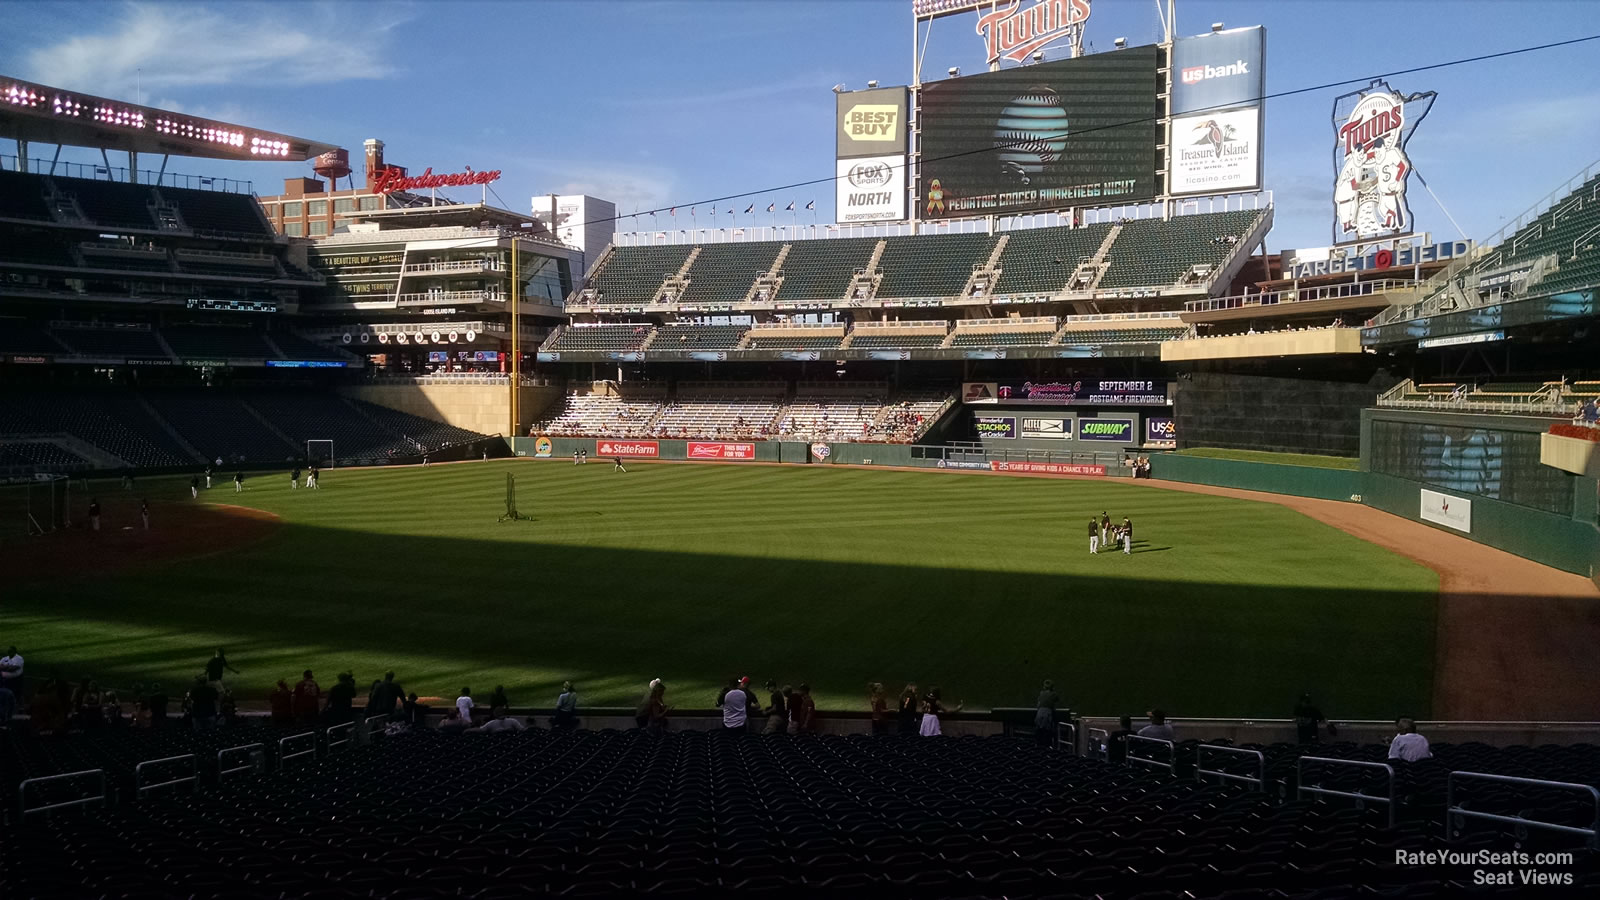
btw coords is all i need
(395, 179)
(717, 450)
(628, 448)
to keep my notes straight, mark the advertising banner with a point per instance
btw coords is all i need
(1075, 132)
(1219, 70)
(1047, 429)
(821, 452)
(1443, 509)
(717, 450)
(871, 123)
(1106, 430)
(1160, 431)
(542, 447)
(1089, 392)
(1047, 468)
(870, 189)
(1216, 152)
(996, 426)
(637, 449)
(962, 464)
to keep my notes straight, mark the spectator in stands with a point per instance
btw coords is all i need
(1407, 745)
(777, 708)
(11, 678)
(1044, 715)
(307, 698)
(932, 708)
(385, 696)
(86, 702)
(464, 705)
(499, 704)
(498, 724)
(281, 702)
(752, 705)
(202, 705)
(1158, 727)
(566, 717)
(1117, 741)
(48, 712)
(1591, 411)
(653, 712)
(878, 704)
(413, 713)
(1307, 716)
(341, 700)
(733, 708)
(910, 710)
(215, 666)
(156, 703)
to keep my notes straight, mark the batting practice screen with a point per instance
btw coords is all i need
(1077, 132)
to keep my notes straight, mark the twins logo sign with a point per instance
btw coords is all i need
(1371, 128)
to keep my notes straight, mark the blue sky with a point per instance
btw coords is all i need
(660, 103)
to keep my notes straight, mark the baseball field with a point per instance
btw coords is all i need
(693, 573)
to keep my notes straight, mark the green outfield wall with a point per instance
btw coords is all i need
(1299, 481)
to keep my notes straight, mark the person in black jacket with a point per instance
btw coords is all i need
(910, 712)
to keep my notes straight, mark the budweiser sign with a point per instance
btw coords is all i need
(1014, 33)
(628, 448)
(394, 179)
(717, 450)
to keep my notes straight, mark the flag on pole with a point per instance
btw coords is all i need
(730, 210)
(652, 214)
(771, 207)
(673, 212)
(749, 209)
(790, 207)
(812, 205)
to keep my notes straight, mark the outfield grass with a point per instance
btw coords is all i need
(982, 584)
(1282, 459)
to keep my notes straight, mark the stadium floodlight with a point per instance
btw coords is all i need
(838, 89)
(1120, 43)
(873, 83)
(954, 71)
(1216, 27)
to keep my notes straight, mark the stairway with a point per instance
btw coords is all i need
(988, 273)
(768, 283)
(675, 284)
(865, 283)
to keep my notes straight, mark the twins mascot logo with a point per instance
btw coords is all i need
(1369, 193)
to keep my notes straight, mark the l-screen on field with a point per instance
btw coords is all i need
(980, 584)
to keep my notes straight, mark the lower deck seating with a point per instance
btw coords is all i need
(112, 420)
(218, 424)
(696, 814)
(111, 341)
(603, 415)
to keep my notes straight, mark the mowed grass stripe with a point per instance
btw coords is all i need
(837, 576)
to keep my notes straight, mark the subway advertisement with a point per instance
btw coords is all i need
(1075, 132)
(1119, 430)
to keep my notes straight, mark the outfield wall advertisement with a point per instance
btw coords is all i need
(1443, 509)
(1075, 132)
(996, 426)
(1160, 431)
(1118, 430)
(1053, 429)
(720, 451)
(1047, 468)
(633, 449)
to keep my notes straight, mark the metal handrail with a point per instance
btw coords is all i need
(225, 772)
(1101, 748)
(350, 730)
(1359, 797)
(1071, 741)
(283, 754)
(22, 792)
(1129, 759)
(139, 787)
(1260, 779)
(1591, 834)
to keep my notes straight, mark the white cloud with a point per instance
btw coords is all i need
(168, 47)
(1533, 122)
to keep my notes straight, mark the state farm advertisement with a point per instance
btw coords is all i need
(650, 449)
(714, 450)
(1047, 468)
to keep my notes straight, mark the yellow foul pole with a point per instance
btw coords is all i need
(516, 345)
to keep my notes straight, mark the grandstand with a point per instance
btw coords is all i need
(596, 813)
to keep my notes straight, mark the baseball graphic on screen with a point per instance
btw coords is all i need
(1031, 133)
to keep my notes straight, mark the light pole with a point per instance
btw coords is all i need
(516, 349)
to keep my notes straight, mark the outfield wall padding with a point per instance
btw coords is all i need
(1298, 481)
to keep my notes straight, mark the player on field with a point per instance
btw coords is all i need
(1127, 535)
(194, 487)
(1105, 528)
(294, 478)
(311, 479)
(585, 455)
(1094, 535)
(94, 514)
(238, 483)
(574, 457)
(208, 478)
(617, 464)
(144, 513)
